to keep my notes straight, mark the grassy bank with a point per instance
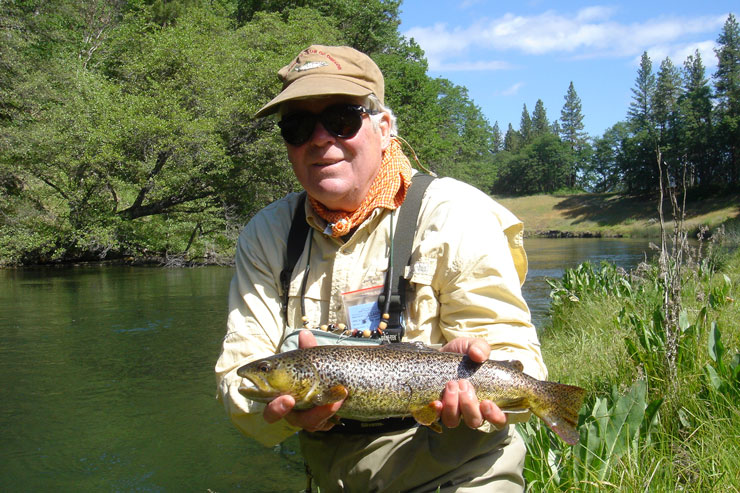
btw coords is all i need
(612, 215)
(663, 406)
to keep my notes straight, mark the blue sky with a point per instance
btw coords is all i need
(513, 53)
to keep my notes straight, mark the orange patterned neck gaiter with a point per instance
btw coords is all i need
(388, 190)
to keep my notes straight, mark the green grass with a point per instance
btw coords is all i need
(680, 433)
(610, 215)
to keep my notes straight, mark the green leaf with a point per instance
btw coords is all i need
(625, 419)
(714, 379)
(715, 346)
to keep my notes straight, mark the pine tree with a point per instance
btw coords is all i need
(571, 120)
(639, 166)
(525, 126)
(667, 91)
(512, 140)
(496, 138)
(695, 107)
(727, 85)
(640, 112)
(571, 131)
(540, 125)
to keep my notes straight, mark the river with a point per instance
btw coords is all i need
(106, 379)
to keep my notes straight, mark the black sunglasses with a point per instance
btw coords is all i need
(340, 120)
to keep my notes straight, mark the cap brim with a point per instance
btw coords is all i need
(313, 86)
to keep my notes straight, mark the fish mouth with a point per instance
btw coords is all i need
(257, 389)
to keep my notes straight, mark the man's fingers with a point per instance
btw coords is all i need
(314, 419)
(278, 408)
(493, 414)
(477, 349)
(450, 415)
(306, 339)
(469, 406)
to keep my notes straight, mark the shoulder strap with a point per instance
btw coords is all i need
(296, 243)
(402, 244)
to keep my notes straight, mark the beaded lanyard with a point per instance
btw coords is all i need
(341, 328)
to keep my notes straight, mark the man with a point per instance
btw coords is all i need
(463, 294)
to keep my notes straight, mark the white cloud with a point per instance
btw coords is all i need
(475, 66)
(512, 90)
(678, 53)
(590, 32)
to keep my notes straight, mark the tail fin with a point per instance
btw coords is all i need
(557, 405)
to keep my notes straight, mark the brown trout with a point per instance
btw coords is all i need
(399, 380)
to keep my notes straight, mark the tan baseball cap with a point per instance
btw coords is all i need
(327, 70)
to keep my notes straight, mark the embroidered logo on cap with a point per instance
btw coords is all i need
(309, 66)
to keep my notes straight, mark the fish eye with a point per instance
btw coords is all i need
(264, 366)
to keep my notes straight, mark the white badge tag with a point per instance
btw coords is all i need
(361, 308)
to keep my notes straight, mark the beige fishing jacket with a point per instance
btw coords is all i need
(467, 267)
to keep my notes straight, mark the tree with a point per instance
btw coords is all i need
(640, 113)
(158, 147)
(370, 26)
(665, 99)
(695, 107)
(512, 139)
(727, 86)
(571, 131)
(541, 166)
(540, 124)
(639, 150)
(571, 120)
(603, 171)
(525, 125)
(497, 138)
(668, 90)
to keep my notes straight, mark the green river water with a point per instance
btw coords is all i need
(106, 377)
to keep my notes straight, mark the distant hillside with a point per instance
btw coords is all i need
(612, 214)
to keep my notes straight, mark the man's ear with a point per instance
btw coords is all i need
(385, 131)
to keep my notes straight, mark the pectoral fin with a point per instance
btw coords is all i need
(427, 416)
(330, 395)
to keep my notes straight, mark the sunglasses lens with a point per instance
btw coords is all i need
(297, 128)
(341, 120)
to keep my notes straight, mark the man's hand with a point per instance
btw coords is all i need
(314, 419)
(459, 400)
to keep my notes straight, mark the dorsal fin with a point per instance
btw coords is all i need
(514, 364)
(407, 346)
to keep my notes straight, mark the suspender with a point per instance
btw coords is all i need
(403, 240)
(402, 244)
(296, 242)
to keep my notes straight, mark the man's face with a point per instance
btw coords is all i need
(335, 171)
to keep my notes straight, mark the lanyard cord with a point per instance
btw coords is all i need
(388, 278)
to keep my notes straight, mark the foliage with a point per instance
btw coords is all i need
(127, 126)
(641, 429)
(673, 113)
(543, 165)
(612, 427)
(150, 154)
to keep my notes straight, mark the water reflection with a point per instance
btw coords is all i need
(106, 377)
(548, 258)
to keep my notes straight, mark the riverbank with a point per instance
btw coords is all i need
(583, 215)
(613, 215)
(663, 405)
